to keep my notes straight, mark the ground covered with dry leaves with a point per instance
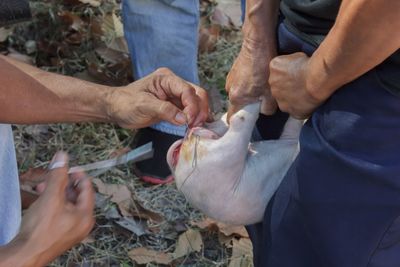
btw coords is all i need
(136, 224)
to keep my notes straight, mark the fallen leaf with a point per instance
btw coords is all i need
(145, 256)
(113, 56)
(226, 229)
(72, 20)
(119, 44)
(139, 211)
(138, 228)
(188, 242)
(112, 26)
(242, 253)
(112, 213)
(127, 203)
(120, 194)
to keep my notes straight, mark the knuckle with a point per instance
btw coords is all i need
(283, 107)
(163, 70)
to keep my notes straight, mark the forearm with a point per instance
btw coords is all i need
(30, 95)
(365, 34)
(18, 254)
(259, 28)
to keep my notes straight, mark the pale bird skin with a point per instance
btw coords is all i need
(225, 175)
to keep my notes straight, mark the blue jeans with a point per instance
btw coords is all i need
(10, 199)
(163, 33)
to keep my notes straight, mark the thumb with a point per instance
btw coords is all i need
(168, 112)
(268, 105)
(232, 109)
(58, 174)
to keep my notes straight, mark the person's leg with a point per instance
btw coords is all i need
(162, 33)
(339, 204)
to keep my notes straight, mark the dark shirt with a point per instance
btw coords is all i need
(311, 20)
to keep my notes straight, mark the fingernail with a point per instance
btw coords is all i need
(180, 117)
(59, 161)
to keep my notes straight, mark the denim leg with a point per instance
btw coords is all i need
(163, 33)
(243, 6)
(10, 199)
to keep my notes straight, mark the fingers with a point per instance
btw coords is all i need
(167, 111)
(232, 109)
(204, 113)
(58, 174)
(84, 189)
(268, 105)
(194, 99)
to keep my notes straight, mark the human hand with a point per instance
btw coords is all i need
(247, 81)
(159, 96)
(290, 87)
(59, 218)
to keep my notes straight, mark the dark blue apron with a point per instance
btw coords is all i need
(339, 204)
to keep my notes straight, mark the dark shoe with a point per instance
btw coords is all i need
(156, 169)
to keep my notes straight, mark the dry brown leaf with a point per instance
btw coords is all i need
(119, 44)
(226, 229)
(112, 56)
(225, 240)
(72, 20)
(141, 212)
(188, 242)
(138, 228)
(120, 194)
(242, 253)
(145, 255)
(127, 203)
(112, 26)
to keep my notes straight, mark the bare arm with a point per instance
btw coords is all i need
(247, 81)
(365, 34)
(30, 95)
(260, 21)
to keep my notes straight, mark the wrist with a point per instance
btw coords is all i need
(20, 252)
(108, 104)
(261, 50)
(319, 82)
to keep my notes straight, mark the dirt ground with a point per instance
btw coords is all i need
(136, 224)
